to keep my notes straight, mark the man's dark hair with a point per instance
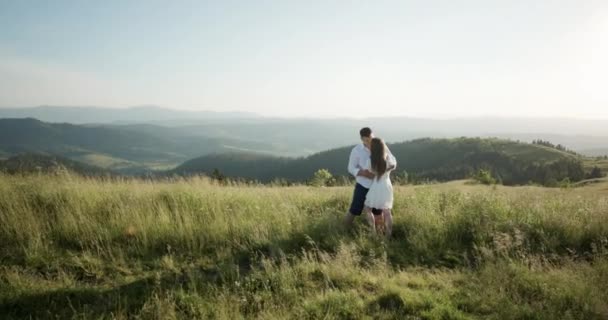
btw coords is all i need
(365, 132)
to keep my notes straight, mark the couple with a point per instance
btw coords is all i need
(371, 163)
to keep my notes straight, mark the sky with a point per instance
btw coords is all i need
(534, 58)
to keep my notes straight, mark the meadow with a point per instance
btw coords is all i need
(187, 248)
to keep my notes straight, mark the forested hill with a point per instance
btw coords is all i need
(433, 159)
(30, 135)
(112, 147)
(48, 163)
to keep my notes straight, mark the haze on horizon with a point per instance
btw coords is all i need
(285, 58)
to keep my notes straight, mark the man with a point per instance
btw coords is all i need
(357, 163)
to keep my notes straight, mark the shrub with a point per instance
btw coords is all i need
(321, 178)
(595, 173)
(484, 177)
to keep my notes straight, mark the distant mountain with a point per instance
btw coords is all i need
(27, 163)
(435, 159)
(304, 136)
(599, 152)
(301, 137)
(139, 148)
(31, 135)
(113, 147)
(141, 114)
(400, 128)
(583, 144)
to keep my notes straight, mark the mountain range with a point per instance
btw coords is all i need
(242, 131)
(152, 149)
(139, 114)
(48, 163)
(150, 139)
(114, 147)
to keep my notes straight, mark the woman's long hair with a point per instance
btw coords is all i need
(378, 156)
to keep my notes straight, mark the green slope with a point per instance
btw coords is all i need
(38, 162)
(31, 135)
(436, 159)
(112, 147)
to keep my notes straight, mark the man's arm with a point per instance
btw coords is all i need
(353, 166)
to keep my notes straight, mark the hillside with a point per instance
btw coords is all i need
(31, 135)
(135, 149)
(434, 159)
(112, 147)
(601, 163)
(27, 163)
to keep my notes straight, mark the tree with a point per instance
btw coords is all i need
(217, 175)
(321, 178)
(596, 172)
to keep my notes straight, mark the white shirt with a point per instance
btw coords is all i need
(359, 159)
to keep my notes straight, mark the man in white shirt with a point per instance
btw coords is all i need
(359, 159)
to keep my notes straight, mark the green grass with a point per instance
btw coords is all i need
(81, 248)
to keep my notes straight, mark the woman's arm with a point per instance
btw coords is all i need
(391, 162)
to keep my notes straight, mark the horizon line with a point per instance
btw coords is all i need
(444, 117)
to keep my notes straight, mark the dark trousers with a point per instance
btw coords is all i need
(356, 207)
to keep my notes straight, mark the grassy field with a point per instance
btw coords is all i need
(75, 248)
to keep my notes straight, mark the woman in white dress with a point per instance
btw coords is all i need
(380, 194)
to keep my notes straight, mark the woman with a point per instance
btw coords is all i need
(380, 194)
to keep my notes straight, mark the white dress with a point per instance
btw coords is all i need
(380, 194)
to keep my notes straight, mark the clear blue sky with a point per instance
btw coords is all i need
(310, 58)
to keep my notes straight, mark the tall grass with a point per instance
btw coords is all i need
(72, 247)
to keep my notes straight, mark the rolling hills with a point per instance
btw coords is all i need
(47, 163)
(424, 159)
(296, 137)
(142, 148)
(122, 148)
